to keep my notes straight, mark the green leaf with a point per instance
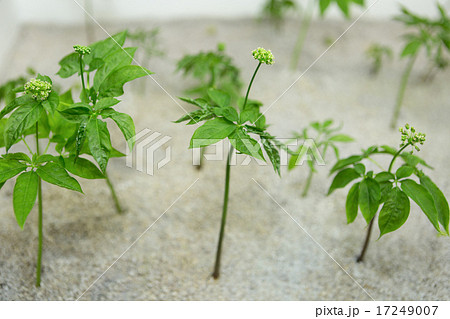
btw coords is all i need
(55, 174)
(351, 204)
(360, 168)
(105, 103)
(52, 102)
(227, 112)
(243, 143)
(423, 199)
(82, 167)
(125, 124)
(17, 157)
(394, 212)
(343, 178)
(343, 5)
(211, 132)
(22, 100)
(10, 168)
(22, 118)
(201, 103)
(99, 142)
(404, 171)
(345, 162)
(411, 48)
(323, 5)
(341, 138)
(80, 137)
(69, 65)
(384, 177)
(102, 48)
(272, 153)
(369, 198)
(117, 59)
(112, 86)
(440, 202)
(221, 98)
(76, 112)
(24, 195)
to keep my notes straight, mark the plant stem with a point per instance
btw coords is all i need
(366, 242)
(304, 28)
(308, 183)
(216, 272)
(113, 194)
(200, 163)
(250, 85)
(40, 221)
(402, 89)
(82, 78)
(395, 156)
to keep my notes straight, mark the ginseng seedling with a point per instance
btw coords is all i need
(275, 10)
(30, 116)
(224, 121)
(324, 138)
(431, 34)
(377, 53)
(391, 190)
(103, 67)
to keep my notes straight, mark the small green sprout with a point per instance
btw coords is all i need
(392, 191)
(275, 10)
(378, 53)
(221, 121)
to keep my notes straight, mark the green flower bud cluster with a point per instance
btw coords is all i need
(81, 49)
(410, 136)
(38, 89)
(263, 56)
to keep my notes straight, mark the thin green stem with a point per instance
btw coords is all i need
(375, 162)
(82, 77)
(396, 155)
(216, 272)
(40, 218)
(113, 194)
(200, 163)
(402, 89)
(26, 144)
(250, 85)
(308, 183)
(304, 28)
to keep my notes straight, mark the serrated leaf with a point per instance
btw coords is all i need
(394, 212)
(345, 162)
(77, 112)
(24, 195)
(411, 48)
(341, 138)
(112, 86)
(10, 168)
(227, 112)
(351, 204)
(125, 124)
(221, 98)
(105, 103)
(115, 60)
(69, 65)
(17, 157)
(55, 174)
(440, 202)
(369, 198)
(99, 140)
(384, 177)
(211, 132)
(51, 103)
(404, 171)
(21, 119)
(343, 178)
(423, 199)
(272, 153)
(21, 100)
(82, 167)
(243, 143)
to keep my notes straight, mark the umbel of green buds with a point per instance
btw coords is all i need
(81, 49)
(38, 89)
(410, 136)
(263, 56)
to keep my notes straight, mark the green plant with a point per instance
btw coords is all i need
(212, 69)
(377, 53)
(343, 5)
(7, 93)
(110, 66)
(325, 136)
(431, 34)
(275, 10)
(30, 114)
(148, 40)
(390, 190)
(224, 121)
